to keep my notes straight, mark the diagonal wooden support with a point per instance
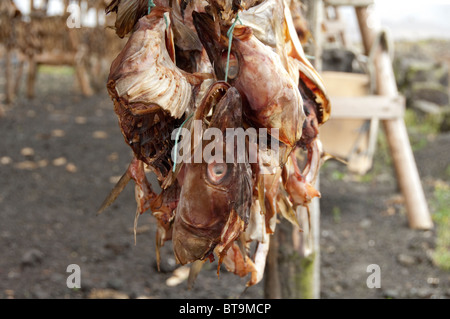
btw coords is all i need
(396, 133)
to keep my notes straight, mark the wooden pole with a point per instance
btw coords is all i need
(66, 5)
(9, 75)
(18, 77)
(309, 271)
(315, 15)
(293, 265)
(31, 79)
(396, 133)
(272, 286)
(80, 70)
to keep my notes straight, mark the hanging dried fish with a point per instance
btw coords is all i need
(129, 12)
(215, 197)
(273, 100)
(150, 93)
(169, 76)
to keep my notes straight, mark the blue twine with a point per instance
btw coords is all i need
(151, 5)
(230, 40)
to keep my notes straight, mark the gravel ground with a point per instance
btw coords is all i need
(61, 154)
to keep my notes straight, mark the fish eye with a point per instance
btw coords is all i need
(233, 67)
(217, 171)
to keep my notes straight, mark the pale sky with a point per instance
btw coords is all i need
(405, 18)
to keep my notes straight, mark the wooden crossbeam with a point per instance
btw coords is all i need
(352, 3)
(368, 107)
(60, 58)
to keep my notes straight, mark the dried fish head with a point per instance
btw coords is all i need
(144, 73)
(215, 197)
(129, 12)
(150, 93)
(272, 98)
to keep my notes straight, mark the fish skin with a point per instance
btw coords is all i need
(274, 104)
(213, 213)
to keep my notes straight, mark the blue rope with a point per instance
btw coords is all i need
(230, 40)
(151, 5)
(176, 142)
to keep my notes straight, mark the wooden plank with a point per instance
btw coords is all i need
(407, 174)
(56, 58)
(335, 26)
(353, 3)
(345, 84)
(368, 107)
(340, 136)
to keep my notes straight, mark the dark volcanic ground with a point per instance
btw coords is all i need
(61, 153)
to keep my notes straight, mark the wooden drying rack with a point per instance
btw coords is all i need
(293, 263)
(387, 106)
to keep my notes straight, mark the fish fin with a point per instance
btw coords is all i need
(183, 4)
(288, 212)
(157, 247)
(241, 245)
(261, 193)
(136, 217)
(309, 222)
(118, 188)
(196, 79)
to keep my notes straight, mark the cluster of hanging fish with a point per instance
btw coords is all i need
(230, 64)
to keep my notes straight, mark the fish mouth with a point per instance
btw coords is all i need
(189, 247)
(215, 93)
(194, 238)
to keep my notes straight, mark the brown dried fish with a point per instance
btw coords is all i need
(273, 99)
(215, 197)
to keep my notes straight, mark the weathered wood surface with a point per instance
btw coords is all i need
(397, 136)
(368, 107)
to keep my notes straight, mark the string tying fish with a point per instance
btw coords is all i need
(230, 40)
(177, 137)
(151, 5)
